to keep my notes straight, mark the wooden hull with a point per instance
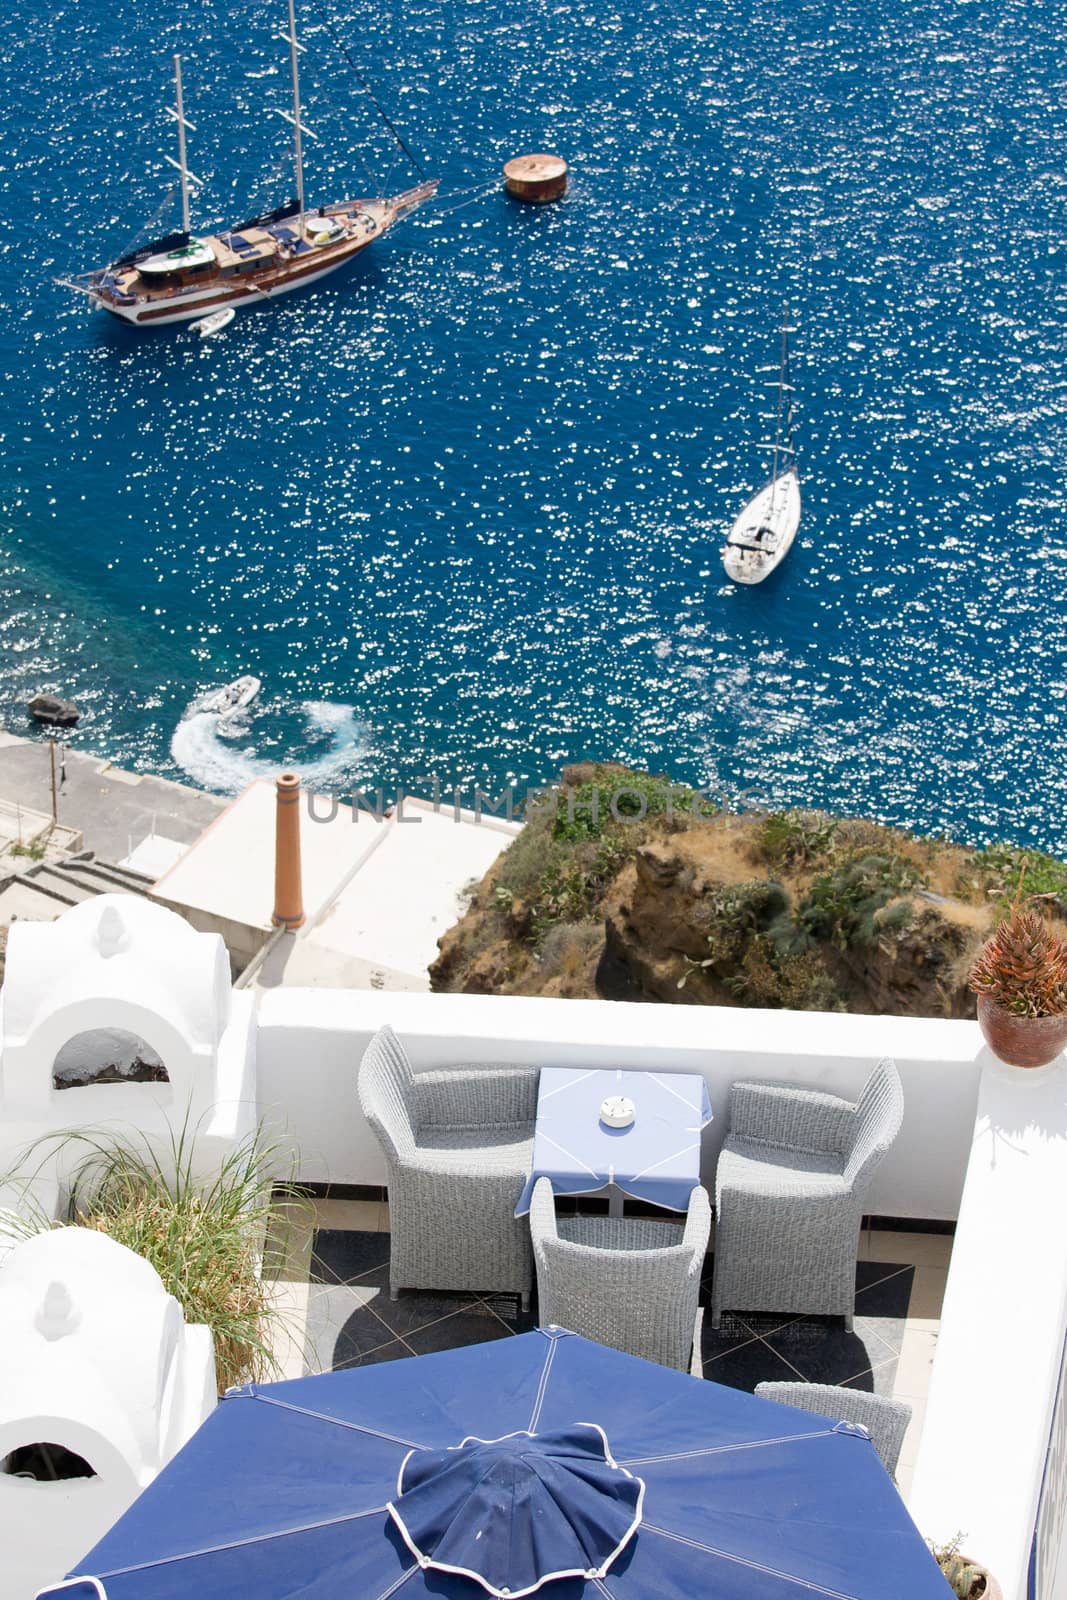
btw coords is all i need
(160, 307)
(213, 296)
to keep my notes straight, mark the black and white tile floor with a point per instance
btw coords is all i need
(349, 1320)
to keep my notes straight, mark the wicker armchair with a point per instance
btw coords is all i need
(629, 1282)
(789, 1190)
(885, 1420)
(458, 1143)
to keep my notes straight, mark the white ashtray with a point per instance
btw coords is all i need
(616, 1111)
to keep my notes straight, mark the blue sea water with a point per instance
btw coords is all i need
(461, 508)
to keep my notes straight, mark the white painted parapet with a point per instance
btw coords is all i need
(985, 1468)
(27, 1205)
(310, 1042)
(120, 968)
(101, 1383)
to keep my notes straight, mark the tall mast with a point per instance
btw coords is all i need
(294, 116)
(789, 392)
(298, 149)
(178, 113)
(781, 389)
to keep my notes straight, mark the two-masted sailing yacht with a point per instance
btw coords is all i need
(187, 275)
(763, 534)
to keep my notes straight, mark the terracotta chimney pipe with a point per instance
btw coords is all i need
(288, 887)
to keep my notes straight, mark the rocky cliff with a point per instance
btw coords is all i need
(626, 887)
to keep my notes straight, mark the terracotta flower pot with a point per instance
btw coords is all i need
(1021, 1041)
(992, 1590)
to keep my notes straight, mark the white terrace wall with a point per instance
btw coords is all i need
(310, 1041)
(992, 1460)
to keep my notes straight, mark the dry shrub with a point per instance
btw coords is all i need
(569, 947)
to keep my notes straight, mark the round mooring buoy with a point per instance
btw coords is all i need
(536, 178)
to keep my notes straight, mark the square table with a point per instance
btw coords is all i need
(657, 1158)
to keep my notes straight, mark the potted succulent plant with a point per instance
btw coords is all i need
(966, 1579)
(1020, 978)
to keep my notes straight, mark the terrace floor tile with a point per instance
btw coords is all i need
(825, 1352)
(361, 1334)
(746, 1365)
(417, 1307)
(395, 1350)
(476, 1325)
(342, 1255)
(352, 1322)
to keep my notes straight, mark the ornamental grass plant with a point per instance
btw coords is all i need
(217, 1242)
(1023, 967)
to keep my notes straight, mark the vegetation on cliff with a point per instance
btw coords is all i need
(626, 886)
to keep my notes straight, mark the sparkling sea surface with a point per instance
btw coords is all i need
(461, 508)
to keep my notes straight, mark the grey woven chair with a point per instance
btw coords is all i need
(885, 1420)
(629, 1282)
(789, 1190)
(458, 1143)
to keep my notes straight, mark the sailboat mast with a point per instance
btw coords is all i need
(781, 390)
(788, 406)
(298, 149)
(177, 111)
(182, 168)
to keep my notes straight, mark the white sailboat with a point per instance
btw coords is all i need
(186, 276)
(763, 533)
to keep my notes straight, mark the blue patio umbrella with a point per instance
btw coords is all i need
(542, 1463)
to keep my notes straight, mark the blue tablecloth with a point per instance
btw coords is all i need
(656, 1159)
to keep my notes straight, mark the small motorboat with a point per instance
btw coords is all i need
(231, 698)
(215, 323)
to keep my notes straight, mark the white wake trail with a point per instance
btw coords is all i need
(228, 766)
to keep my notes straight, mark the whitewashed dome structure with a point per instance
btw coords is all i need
(102, 1383)
(121, 1014)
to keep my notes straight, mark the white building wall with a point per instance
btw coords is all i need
(119, 962)
(310, 1043)
(97, 1360)
(981, 1467)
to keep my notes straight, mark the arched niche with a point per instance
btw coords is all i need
(101, 1056)
(29, 1070)
(120, 965)
(45, 1462)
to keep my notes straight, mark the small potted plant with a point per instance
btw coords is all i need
(1020, 978)
(966, 1579)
